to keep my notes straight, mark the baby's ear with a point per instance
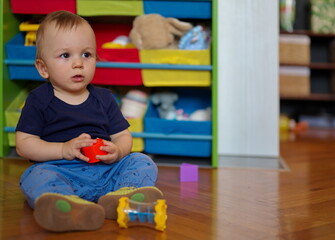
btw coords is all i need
(42, 68)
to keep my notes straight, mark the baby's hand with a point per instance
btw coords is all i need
(72, 149)
(112, 150)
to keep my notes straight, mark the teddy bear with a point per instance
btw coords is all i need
(153, 31)
(165, 104)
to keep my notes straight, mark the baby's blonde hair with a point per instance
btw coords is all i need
(63, 20)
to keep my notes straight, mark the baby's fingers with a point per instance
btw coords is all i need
(82, 157)
(108, 158)
(85, 143)
(84, 136)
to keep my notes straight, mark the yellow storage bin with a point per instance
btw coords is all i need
(157, 77)
(136, 125)
(13, 113)
(110, 7)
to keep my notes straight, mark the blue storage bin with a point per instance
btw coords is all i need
(179, 9)
(15, 49)
(189, 100)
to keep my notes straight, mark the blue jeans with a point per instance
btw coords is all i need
(88, 181)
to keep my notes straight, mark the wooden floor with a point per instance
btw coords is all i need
(233, 204)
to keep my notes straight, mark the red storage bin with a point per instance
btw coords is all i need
(42, 6)
(116, 76)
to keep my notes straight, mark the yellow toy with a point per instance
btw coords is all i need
(31, 30)
(132, 213)
(119, 42)
(290, 125)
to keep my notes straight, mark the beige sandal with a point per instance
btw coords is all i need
(60, 213)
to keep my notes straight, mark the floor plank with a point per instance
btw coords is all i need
(226, 203)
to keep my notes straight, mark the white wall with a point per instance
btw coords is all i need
(248, 78)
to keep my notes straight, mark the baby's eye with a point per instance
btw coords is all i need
(87, 54)
(65, 55)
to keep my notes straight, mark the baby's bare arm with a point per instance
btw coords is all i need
(32, 147)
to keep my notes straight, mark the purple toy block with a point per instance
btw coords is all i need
(188, 172)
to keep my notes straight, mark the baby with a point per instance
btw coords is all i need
(62, 116)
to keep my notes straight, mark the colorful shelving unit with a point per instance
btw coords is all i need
(8, 89)
(138, 69)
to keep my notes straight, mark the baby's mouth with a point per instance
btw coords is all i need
(78, 78)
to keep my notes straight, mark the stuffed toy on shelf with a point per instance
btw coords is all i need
(153, 31)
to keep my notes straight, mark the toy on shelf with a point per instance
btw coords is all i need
(119, 42)
(165, 102)
(166, 109)
(201, 115)
(153, 31)
(134, 104)
(132, 213)
(287, 14)
(290, 125)
(92, 151)
(31, 30)
(197, 38)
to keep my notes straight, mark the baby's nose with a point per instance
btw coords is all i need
(77, 62)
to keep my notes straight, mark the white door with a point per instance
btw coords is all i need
(248, 101)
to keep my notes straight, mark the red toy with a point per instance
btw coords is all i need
(94, 150)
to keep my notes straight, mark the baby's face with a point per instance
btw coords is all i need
(69, 57)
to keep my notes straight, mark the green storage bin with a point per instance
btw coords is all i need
(110, 7)
(13, 113)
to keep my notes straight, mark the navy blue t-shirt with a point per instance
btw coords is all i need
(53, 120)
